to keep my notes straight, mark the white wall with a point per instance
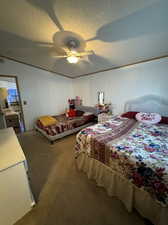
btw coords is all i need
(124, 84)
(45, 92)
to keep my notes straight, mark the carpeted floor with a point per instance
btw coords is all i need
(64, 195)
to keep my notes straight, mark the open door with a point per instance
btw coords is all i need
(11, 107)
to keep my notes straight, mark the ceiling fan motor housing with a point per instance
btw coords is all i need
(72, 43)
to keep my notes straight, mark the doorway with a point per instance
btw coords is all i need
(11, 106)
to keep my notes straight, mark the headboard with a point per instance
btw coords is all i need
(91, 109)
(148, 103)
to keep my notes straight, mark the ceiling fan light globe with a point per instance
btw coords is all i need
(73, 51)
(72, 59)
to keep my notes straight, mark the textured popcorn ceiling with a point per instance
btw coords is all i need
(120, 32)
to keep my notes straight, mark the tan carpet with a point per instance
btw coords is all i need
(65, 195)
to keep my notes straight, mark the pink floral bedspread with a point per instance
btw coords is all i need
(137, 151)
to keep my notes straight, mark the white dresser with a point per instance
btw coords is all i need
(15, 195)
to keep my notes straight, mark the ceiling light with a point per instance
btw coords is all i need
(72, 59)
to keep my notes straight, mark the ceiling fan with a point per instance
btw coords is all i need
(70, 45)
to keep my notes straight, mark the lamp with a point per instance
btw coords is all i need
(72, 59)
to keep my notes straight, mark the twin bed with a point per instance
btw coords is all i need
(130, 159)
(66, 125)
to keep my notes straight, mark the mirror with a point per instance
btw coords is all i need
(101, 98)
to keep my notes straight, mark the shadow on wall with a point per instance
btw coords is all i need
(152, 19)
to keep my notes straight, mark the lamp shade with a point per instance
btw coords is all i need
(3, 93)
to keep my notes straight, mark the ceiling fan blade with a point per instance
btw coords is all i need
(99, 60)
(91, 52)
(40, 43)
(67, 50)
(61, 56)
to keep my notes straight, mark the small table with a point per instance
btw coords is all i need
(103, 117)
(12, 119)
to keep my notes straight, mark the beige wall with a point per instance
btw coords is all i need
(45, 93)
(124, 84)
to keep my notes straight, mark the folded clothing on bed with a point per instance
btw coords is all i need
(47, 120)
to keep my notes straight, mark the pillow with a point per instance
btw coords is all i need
(148, 118)
(79, 113)
(47, 120)
(164, 120)
(72, 113)
(129, 115)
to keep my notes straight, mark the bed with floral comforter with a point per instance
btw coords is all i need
(137, 151)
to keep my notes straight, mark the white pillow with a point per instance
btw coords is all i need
(87, 114)
(148, 118)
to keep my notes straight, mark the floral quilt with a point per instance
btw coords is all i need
(137, 151)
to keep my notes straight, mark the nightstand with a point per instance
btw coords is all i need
(12, 119)
(103, 117)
